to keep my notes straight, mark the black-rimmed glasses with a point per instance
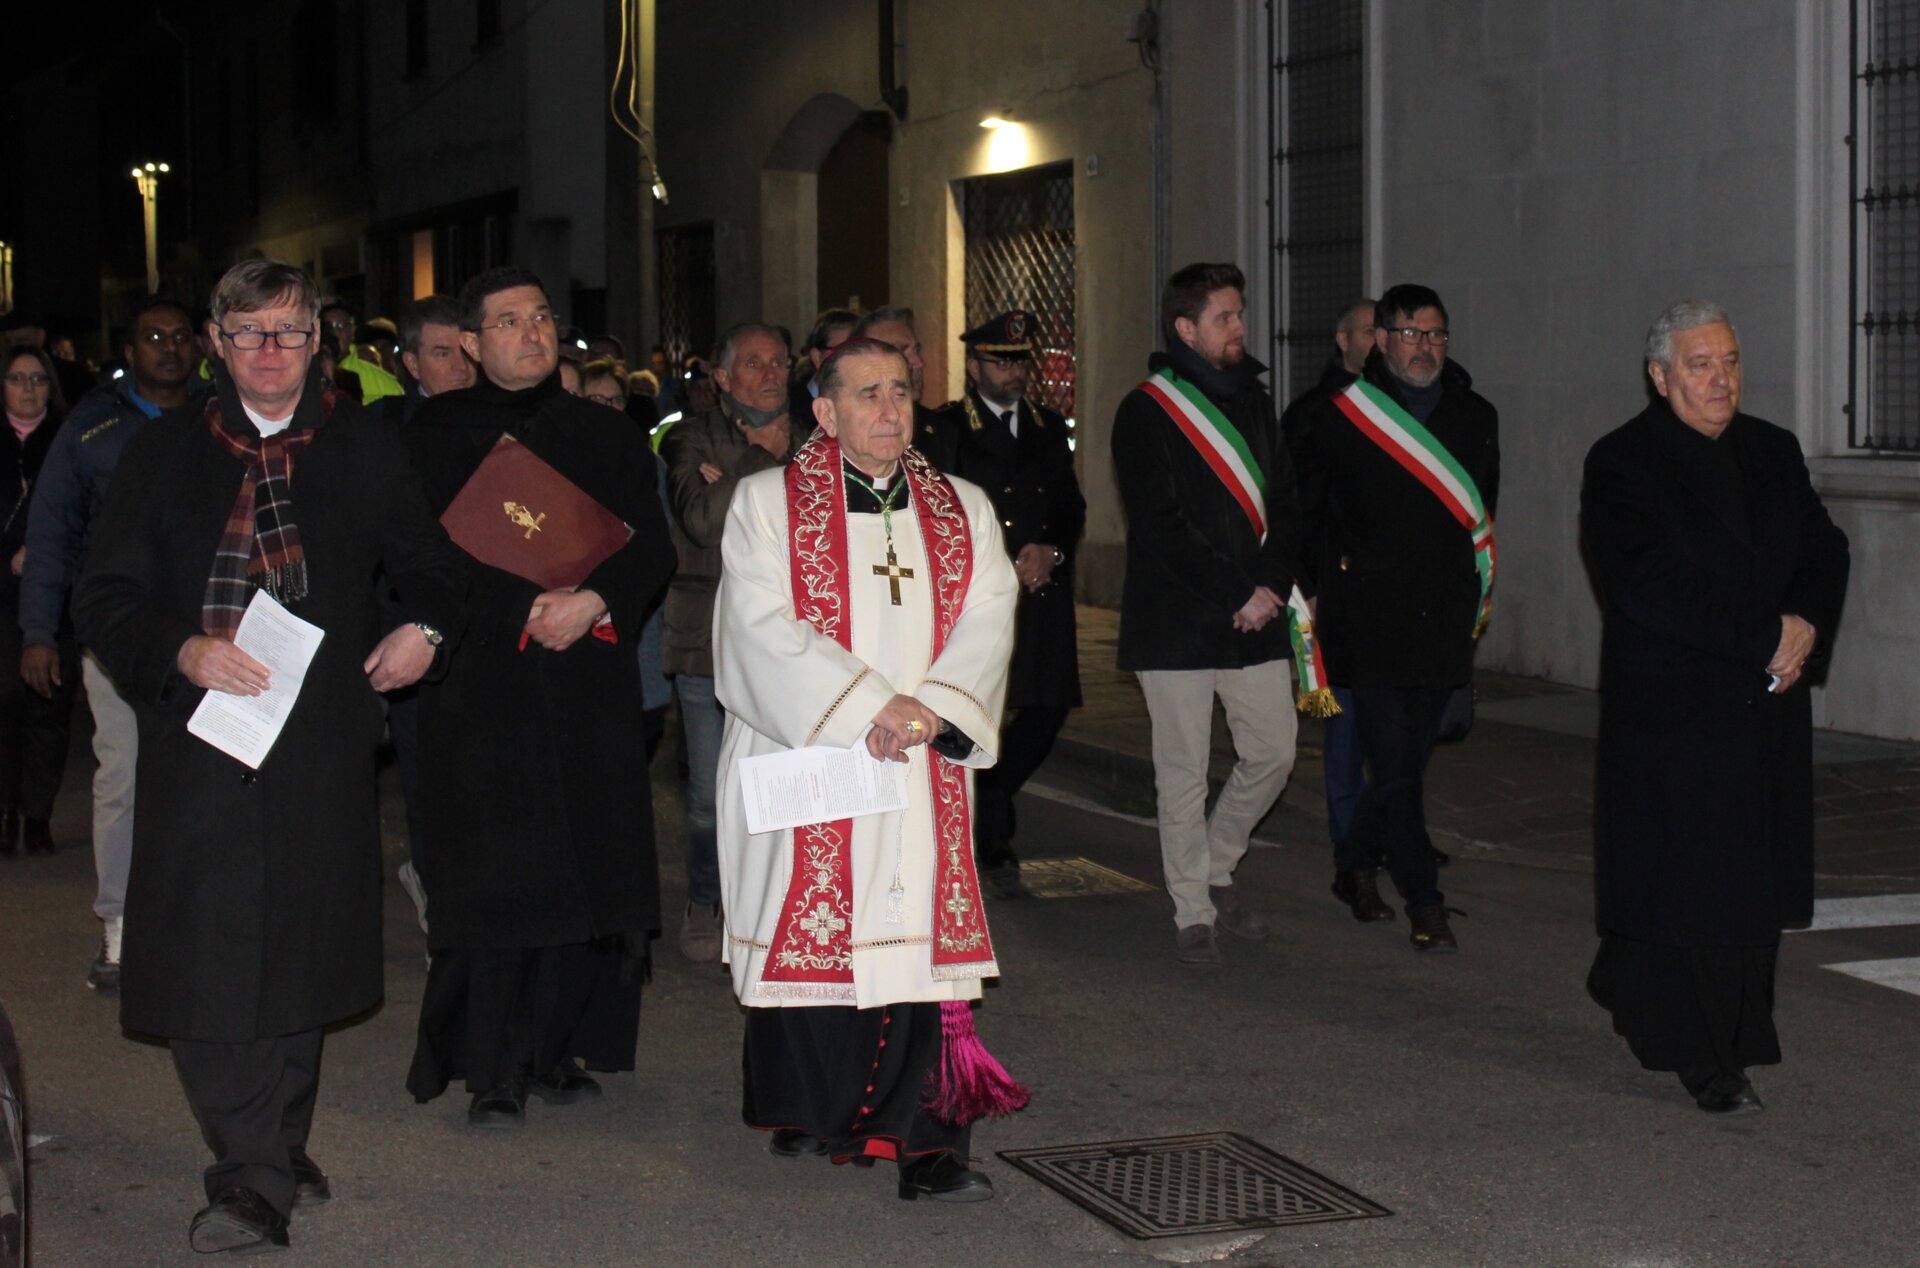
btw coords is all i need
(1415, 335)
(254, 340)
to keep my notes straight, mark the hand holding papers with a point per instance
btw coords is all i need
(245, 727)
(818, 785)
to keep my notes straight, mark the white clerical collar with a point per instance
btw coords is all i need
(266, 426)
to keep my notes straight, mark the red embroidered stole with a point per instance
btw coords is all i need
(811, 952)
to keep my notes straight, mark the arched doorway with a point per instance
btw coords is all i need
(824, 212)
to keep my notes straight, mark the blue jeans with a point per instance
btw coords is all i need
(701, 719)
(1345, 772)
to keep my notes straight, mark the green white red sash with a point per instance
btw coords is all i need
(1218, 441)
(1401, 436)
(1225, 450)
(811, 953)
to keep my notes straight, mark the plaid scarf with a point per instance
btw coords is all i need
(260, 546)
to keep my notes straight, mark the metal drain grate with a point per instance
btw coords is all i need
(1179, 1186)
(1076, 878)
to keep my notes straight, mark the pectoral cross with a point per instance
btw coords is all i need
(893, 572)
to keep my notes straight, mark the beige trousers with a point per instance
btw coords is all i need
(1198, 849)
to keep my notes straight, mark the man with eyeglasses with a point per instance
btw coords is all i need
(748, 429)
(159, 351)
(1399, 475)
(1019, 452)
(375, 382)
(538, 860)
(253, 902)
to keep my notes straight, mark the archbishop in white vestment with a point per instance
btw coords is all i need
(864, 599)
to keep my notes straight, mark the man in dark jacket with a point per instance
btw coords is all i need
(66, 503)
(1212, 549)
(1342, 768)
(1399, 474)
(1019, 452)
(538, 861)
(1722, 579)
(707, 454)
(253, 904)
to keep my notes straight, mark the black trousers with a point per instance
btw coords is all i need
(1397, 727)
(852, 1078)
(1025, 741)
(254, 1103)
(33, 729)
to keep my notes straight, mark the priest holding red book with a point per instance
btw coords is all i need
(538, 863)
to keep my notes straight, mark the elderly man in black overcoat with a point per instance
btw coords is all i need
(253, 905)
(1021, 453)
(1721, 577)
(538, 862)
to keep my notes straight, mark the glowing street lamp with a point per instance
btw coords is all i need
(147, 177)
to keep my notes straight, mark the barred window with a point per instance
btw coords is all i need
(1884, 365)
(686, 291)
(1020, 254)
(1316, 182)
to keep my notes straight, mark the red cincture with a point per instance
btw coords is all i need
(811, 951)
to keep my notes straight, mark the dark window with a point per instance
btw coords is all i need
(314, 64)
(1315, 192)
(686, 291)
(416, 38)
(1884, 365)
(1020, 254)
(486, 21)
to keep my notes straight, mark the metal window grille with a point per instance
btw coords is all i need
(686, 292)
(1884, 366)
(1020, 253)
(1315, 186)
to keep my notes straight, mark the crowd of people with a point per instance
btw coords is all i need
(803, 554)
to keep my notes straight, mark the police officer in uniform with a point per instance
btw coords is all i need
(1018, 452)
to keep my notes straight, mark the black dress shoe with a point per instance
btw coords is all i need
(238, 1220)
(1431, 932)
(790, 1142)
(944, 1178)
(37, 836)
(503, 1108)
(1727, 1094)
(1360, 891)
(310, 1187)
(564, 1084)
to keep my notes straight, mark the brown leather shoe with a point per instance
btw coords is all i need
(238, 1220)
(1431, 932)
(1195, 944)
(1360, 891)
(1230, 915)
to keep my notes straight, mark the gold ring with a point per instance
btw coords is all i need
(914, 726)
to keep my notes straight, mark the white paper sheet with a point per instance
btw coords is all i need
(245, 727)
(818, 785)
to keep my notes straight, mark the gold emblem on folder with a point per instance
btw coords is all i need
(525, 518)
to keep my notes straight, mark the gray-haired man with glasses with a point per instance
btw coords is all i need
(1399, 472)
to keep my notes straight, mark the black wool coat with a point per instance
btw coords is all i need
(1029, 479)
(533, 769)
(1391, 567)
(1193, 559)
(253, 905)
(1703, 823)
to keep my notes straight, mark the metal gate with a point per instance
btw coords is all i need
(1884, 367)
(1316, 181)
(1020, 251)
(686, 292)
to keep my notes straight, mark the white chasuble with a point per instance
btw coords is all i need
(785, 684)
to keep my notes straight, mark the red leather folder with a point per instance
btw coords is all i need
(517, 513)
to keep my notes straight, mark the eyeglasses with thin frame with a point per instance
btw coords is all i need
(160, 338)
(538, 321)
(27, 380)
(1415, 335)
(254, 340)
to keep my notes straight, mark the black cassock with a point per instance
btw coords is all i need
(539, 824)
(1703, 827)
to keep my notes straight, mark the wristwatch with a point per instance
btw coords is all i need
(434, 637)
(1059, 557)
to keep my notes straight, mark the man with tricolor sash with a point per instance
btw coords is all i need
(865, 600)
(1399, 473)
(1212, 559)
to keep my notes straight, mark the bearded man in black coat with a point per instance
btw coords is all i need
(538, 862)
(253, 900)
(1722, 578)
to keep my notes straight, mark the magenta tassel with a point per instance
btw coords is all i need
(972, 1085)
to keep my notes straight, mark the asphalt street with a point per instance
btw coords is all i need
(1481, 1097)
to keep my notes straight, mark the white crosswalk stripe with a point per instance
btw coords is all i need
(1874, 911)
